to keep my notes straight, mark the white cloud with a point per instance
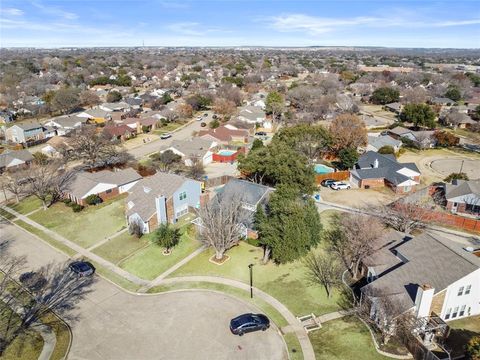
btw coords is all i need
(11, 11)
(186, 28)
(55, 11)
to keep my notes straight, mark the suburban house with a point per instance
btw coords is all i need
(65, 124)
(375, 143)
(194, 148)
(422, 138)
(162, 198)
(141, 125)
(463, 197)
(225, 135)
(106, 184)
(254, 115)
(56, 145)
(11, 160)
(117, 106)
(118, 132)
(21, 133)
(429, 277)
(395, 107)
(378, 170)
(97, 115)
(458, 119)
(442, 101)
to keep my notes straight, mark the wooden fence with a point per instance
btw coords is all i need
(338, 176)
(217, 181)
(456, 221)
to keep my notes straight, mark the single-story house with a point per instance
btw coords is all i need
(11, 160)
(422, 138)
(375, 143)
(96, 115)
(56, 145)
(254, 115)
(106, 184)
(162, 198)
(117, 106)
(378, 170)
(119, 132)
(442, 101)
(65, 124)
(139, 124)
(225, 135)
(194, 148)
(395, 107)
(458, 119)
(23, 132)
(463, 197)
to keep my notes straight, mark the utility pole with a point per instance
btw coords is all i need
(461, 167)
(251, 280)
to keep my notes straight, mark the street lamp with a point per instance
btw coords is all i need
(251, 280)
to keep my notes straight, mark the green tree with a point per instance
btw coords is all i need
(291, 226)
(386, 149)
(114, 96)
(166, 160)
(257, 144)
(274, 104)
(348, 157)
(214, 124)
(473, 348)
(385, 95)
(166, 236)
(40, 158)
(453, 92)
(456, 176)
(419, 115)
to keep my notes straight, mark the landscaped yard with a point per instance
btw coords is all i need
(150, 262)
(344, 339)
(26, 205)
(91, 225)
(169, 127)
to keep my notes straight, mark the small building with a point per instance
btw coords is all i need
(463, 197)
(424, 139)
(106, 184)
(21, 133)
(395, 107)
(442, 101)
(65, 124)
(118, 132)
(160, 199)
(56, 146)
(12, 160)
(225, 135)
(380, 170)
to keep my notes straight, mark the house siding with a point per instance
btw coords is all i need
(437, 303)
(373, 183)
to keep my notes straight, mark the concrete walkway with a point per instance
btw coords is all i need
(305, 344)
(49, 341)
(332, 316)
(82, 251)
(107, 239)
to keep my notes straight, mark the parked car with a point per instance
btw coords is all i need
(214, 116)
(384, 133)
(261, 133)
(340, 185)
(199, 118)
(327, 182)
(205, 115)
(82, 268)
(165, 136)
(248, 323)
(203, 124)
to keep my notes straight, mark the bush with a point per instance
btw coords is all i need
(385, 95)
(77, 208)
(67, 201)
(93, 199)
(456, 176)
(473, 348)
(387, 149)
(214, 124)
(166, 236)
(135, 228)
(348, 157)
(253, 242)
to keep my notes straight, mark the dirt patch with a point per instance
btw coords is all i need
(359, 197)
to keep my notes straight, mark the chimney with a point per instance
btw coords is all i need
(375, 164)
(423, 300)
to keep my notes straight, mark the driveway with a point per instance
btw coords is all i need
(114, 324)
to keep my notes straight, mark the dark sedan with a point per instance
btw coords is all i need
(82, 268)
(248, 323)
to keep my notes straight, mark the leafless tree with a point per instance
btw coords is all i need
(221, 224)
(135, 227)
(404, 216)
(323, 269)
(196, 169)
(14, 182)
(346, 103)
(89, 98)
(348, 131)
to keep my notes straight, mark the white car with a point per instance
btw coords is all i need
(340, 185)
(165, 136)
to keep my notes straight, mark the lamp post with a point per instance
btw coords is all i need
(251, 280)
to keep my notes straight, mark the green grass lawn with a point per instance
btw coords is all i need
(287, 282)
(150, 262)
(120, 247)
(91, 225)
(169, 127)
(26, 205)
(344, 339)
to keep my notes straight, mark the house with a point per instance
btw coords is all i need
(254, 115)
(11, 160)
(106, 184)
(141, 125)
(458, 119)
(225, 135)
(119, 132)
(378, 170)
(463, 197)
(56, 145)
(97, 115)
(422, 138)
(6, 117)
(395, 107)
(65, 124)
(428, 275)
(117, 106)
(162, 198)
(442, 101)
(21, 133)
(375, 143)
(194, 148)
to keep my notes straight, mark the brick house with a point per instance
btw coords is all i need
(379, 170)
(463, 197)
(225, 135)
(106, 184)
(162, 198)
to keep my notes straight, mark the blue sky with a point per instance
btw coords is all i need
(42, 23)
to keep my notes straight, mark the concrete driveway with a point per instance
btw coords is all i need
(114, 324)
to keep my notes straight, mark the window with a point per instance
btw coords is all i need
(460, 291)
(455, 312)
(108, 191)
(467, 289)
(183, 195)
(447, 314)
(462, 310)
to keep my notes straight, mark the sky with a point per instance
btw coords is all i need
(85, 23)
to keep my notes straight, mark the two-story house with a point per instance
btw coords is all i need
(21, 133)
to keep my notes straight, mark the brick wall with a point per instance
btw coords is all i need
(170, 210)
(373, 183)
(103, 195)
(153, 223)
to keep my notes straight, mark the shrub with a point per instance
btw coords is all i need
(387, 149)
(253, 242)
(473, 348)
(77, 208)
(456, 176)
(446, 139)
(166, 236)
(93, 199)
(135, 228)
(385, 95)
(67, 201)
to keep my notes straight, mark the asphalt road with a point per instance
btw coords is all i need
(113, 324)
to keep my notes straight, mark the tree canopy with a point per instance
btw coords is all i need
(385, 95)
(347, 131)
(421, 115)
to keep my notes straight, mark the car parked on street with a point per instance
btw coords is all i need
(203, 124)
(165, 136)
(261, 133)
(327, 182)
(248, 323)
(340, 185)
(82, 268)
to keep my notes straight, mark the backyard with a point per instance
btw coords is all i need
(461, 331)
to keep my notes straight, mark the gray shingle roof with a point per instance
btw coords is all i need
(192, 147)
(249, 192)
(379, 141)
(29, 125)
(8, 156)
(461, 188)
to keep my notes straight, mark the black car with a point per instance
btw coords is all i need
(203, 124)
(327, 182)
(261, 133)
(82, 268)
(248, 323)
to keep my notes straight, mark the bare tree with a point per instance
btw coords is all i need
(221, 224)
(404, 216)
(323, 269)
(14, 182)
(196, 169)
(348, 131)
(135, 227)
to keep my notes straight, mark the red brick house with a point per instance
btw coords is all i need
(463, 197)
(225, 135)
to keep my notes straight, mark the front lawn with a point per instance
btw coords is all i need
(344, 339)
(121, 246)
(91, 225)
(26, 205)
(150, 262)
(287, 283)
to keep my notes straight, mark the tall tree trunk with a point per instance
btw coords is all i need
(219, 254)
(327, 289)
(44, 204)
(266, 254)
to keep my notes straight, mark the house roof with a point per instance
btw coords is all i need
(29, 125)
(146, 121)
(59, 141)
(97, 113)
(251, 112)
(395, 106)
(192, 147)
(462, 188)
(8, 156)
(117, 130)
(431, 259)
(250, 193)
(84, 181)
(68, 121)
(442, 101)
(379, 141)
(142, 194)
(223, 133)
